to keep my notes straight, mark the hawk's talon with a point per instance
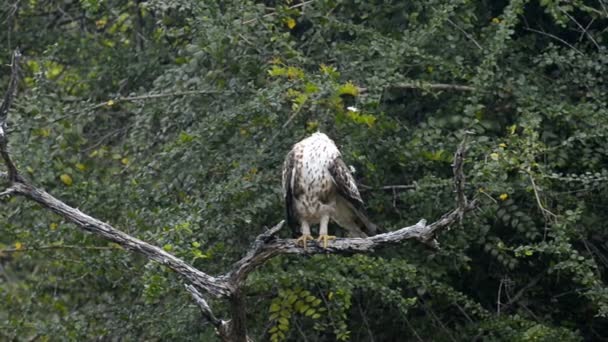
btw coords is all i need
(303, 240)
(324, 238)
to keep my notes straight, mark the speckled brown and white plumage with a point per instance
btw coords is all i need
(318, 186)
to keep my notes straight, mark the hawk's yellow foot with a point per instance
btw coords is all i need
(303, 240)
(324, 238)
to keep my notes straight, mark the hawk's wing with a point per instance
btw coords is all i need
(289, 191)
(347, 188)
(344, 181)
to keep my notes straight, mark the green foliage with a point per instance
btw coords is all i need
(170, 119)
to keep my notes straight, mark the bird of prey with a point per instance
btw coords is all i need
(317, 187)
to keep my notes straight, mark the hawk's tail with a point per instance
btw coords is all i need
(368, 226)
(355, 222)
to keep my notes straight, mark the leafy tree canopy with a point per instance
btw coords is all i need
(170, 119)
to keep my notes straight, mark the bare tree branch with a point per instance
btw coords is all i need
(467, 35)
(556, 38)
(111, 102)
(302, 4)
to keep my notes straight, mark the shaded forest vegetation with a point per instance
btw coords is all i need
(170, 120)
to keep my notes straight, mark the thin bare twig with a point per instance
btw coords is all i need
(546, 213)
(111, 102)
(498, 296)
(556, 38)
(467, 35)
(433, 86)
(583, 30)
(302, 4)
(366, 323)
(521, 292)
(56, 247)
(364, 187)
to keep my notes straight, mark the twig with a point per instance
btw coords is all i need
(436, 318)
(556, 38)
(583, 30)
(53, 247)
(111, 102)
(486, 194)
(364, 187)
(520, 293)
(365, 322)
(546, 213)
(246, 22)
(498, 303)
(465, 34)
(433, 86)
(412, 329)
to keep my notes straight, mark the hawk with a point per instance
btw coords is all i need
(317, 187)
